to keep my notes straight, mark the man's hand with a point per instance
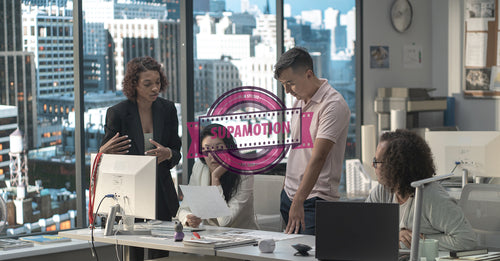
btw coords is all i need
(193, 221)
(161, 152)
(116, 145)
(296, 217)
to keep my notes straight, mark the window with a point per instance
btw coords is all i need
(328, 31)
(233, 47)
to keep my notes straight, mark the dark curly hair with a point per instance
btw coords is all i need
(134, 68)
(229, 181)
(296, 58)
(407, 158)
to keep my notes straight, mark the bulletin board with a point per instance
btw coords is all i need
(482, 49)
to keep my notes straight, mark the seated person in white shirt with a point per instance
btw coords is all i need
(236, 189)
(401, 158)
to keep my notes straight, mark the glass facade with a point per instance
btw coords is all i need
(234, 44)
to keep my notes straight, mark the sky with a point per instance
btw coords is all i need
(297, 5)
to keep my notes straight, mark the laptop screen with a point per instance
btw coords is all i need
(357, 231)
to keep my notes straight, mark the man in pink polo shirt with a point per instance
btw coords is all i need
(313, 173)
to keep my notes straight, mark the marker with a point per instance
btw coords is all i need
(196, 235)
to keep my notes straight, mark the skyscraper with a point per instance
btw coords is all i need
(140, 37)
(17, 70)
(8, 125)
(50, 38)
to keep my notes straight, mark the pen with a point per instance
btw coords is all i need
(196, 235)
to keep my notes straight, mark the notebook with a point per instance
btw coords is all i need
(357, 231)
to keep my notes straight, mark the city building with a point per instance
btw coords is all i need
(8, 124)
(60, 107)
(173, 9)
(98, 50)
(17, 70)
(139, 37)
(216, 39)
(94, 120)
(48, 33)
(212, 78)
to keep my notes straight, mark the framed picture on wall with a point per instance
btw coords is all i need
(379, 57)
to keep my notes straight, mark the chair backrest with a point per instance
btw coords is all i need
(266, 196)
(481, 206)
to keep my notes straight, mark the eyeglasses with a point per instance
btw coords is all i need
(375, 162)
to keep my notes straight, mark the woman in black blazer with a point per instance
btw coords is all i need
(147, 124)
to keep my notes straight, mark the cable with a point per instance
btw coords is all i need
(116, 240)
(456, 165)
(92, 186)
(94, 252)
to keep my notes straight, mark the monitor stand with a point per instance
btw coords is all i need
(110, 231)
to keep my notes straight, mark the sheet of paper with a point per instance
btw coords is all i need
(205, 201)
(412, 56)
(475, 52)
(261, 235)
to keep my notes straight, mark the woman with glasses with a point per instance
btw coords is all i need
(401, 158)
(236, 189)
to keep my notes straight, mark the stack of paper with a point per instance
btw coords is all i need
(220, 241)
(9, 243)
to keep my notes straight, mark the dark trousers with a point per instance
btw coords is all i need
(309, 213)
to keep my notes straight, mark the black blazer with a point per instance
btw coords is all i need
(124, 118)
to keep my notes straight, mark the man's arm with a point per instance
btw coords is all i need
(319, 154)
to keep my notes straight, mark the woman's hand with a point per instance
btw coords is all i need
(405, 236)
(116, 145)
(193, 221)
(217, 173)
(161, 152)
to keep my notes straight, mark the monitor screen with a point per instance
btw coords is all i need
(477, 152)
(132, 179)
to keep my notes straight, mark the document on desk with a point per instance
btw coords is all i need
(205, 201)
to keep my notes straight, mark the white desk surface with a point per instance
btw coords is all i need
(137, 241)
(39, 249)
(283, 251)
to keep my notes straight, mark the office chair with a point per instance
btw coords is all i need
(481, 206)
(266, 201)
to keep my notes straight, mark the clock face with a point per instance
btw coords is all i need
(401, 15)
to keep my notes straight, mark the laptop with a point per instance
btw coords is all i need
(357, 231)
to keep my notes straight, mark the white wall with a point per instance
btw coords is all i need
(378, 30)
(437, 27)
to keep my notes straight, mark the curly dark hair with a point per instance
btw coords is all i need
(134, 68)
(407, 158)
(229, 181)
(296, 58)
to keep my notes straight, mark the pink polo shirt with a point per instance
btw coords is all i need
(330, 121)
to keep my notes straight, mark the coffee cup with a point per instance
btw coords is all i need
(428, 248)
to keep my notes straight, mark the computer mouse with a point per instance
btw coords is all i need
(302, 249)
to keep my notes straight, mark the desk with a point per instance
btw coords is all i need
(44, 250)
(283, 251)
(136, 241)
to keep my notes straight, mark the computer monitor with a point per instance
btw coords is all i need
(477, 152)
(132, 179)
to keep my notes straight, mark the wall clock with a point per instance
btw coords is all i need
(401, 15)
